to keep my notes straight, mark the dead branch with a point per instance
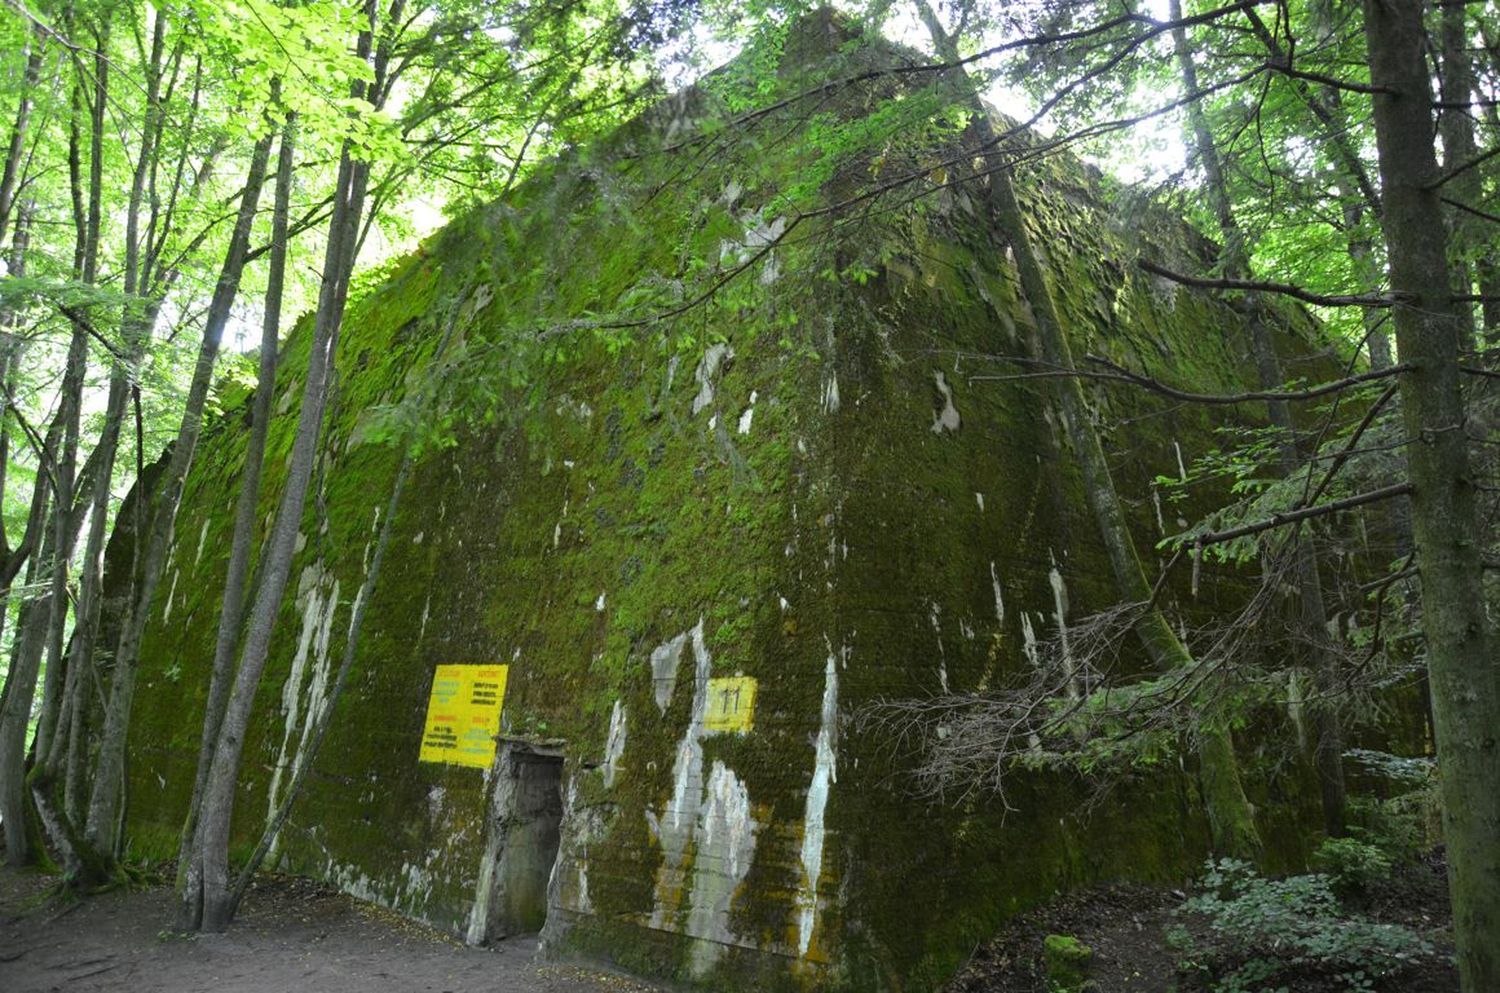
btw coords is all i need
(1301, 514)
(1262, 286)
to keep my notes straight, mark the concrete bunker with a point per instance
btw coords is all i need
(611, 567)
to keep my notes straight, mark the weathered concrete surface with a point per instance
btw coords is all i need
(796, 480)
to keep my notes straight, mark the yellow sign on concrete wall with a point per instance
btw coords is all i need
(463, 714)
(731, 704)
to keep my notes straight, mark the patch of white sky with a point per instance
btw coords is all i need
(1150, 152)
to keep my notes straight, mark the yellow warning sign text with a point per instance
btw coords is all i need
(463, 714)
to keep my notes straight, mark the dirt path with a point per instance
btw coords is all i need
(291, 936)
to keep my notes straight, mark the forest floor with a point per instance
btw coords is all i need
(1126, 929)
(293, 936)
(296, 935)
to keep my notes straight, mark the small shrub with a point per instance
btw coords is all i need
(1404, 820)
(1354, 865)
(1259, 935)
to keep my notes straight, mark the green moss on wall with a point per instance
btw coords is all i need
(837, 503)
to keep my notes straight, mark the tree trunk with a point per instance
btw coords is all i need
(11, 350)
(1328, 749)
(324, 717)
(189, 862)
(47, 613)
(91, 216)
(59, 459)
(103, 812)
(1456, 129)
(217, 806)
(1448, 540)
(16, 148)
(1230, 815)
(20, 687)
(1471, 248)
(321, 721)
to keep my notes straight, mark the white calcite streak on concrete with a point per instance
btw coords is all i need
(946, 419)
(999, 595)
(708, 369)
(831, 394)
(1060, 615)
(664, 659)
(318, 607)
(813, 835)
(1028, 641)
(725, 845)
(614, 745)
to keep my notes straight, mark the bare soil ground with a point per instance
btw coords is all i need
(292, 936)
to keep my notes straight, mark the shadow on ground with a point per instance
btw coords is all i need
(292, 935)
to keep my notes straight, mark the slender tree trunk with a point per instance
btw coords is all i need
(1448, 539)
(20, 686)
(1362, 257)
(1328, 749)
(92, 214)
(218, 797)
(217, 807)
(144, 300)
(189, 861)
(60, 530)
(11, 349)
(324, 717)
(103, 815)
(1326, 108)
(1230, 815)
(46, 614)
(86, 616)
(82, 482)
(15, 151)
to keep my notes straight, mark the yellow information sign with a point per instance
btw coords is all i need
(463, 714)
(731, 704)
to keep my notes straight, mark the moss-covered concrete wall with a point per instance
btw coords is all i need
(797, 479)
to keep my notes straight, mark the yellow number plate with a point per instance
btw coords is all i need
(731, 704)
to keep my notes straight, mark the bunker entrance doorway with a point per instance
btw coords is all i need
(528, 826)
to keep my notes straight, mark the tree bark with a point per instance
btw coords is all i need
(48, 613)
(20, 686)
(217, 808)
(218, 796)
(324, 717)
(104, 797)
(1231, 817)
(189, 861)
(1471, 248)
(1328, 748)
(11, 349)
(1464, 679)
(16, 148)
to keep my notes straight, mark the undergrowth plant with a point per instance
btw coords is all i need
(1246, 933)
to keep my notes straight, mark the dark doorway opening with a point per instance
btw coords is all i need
(532, 830)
